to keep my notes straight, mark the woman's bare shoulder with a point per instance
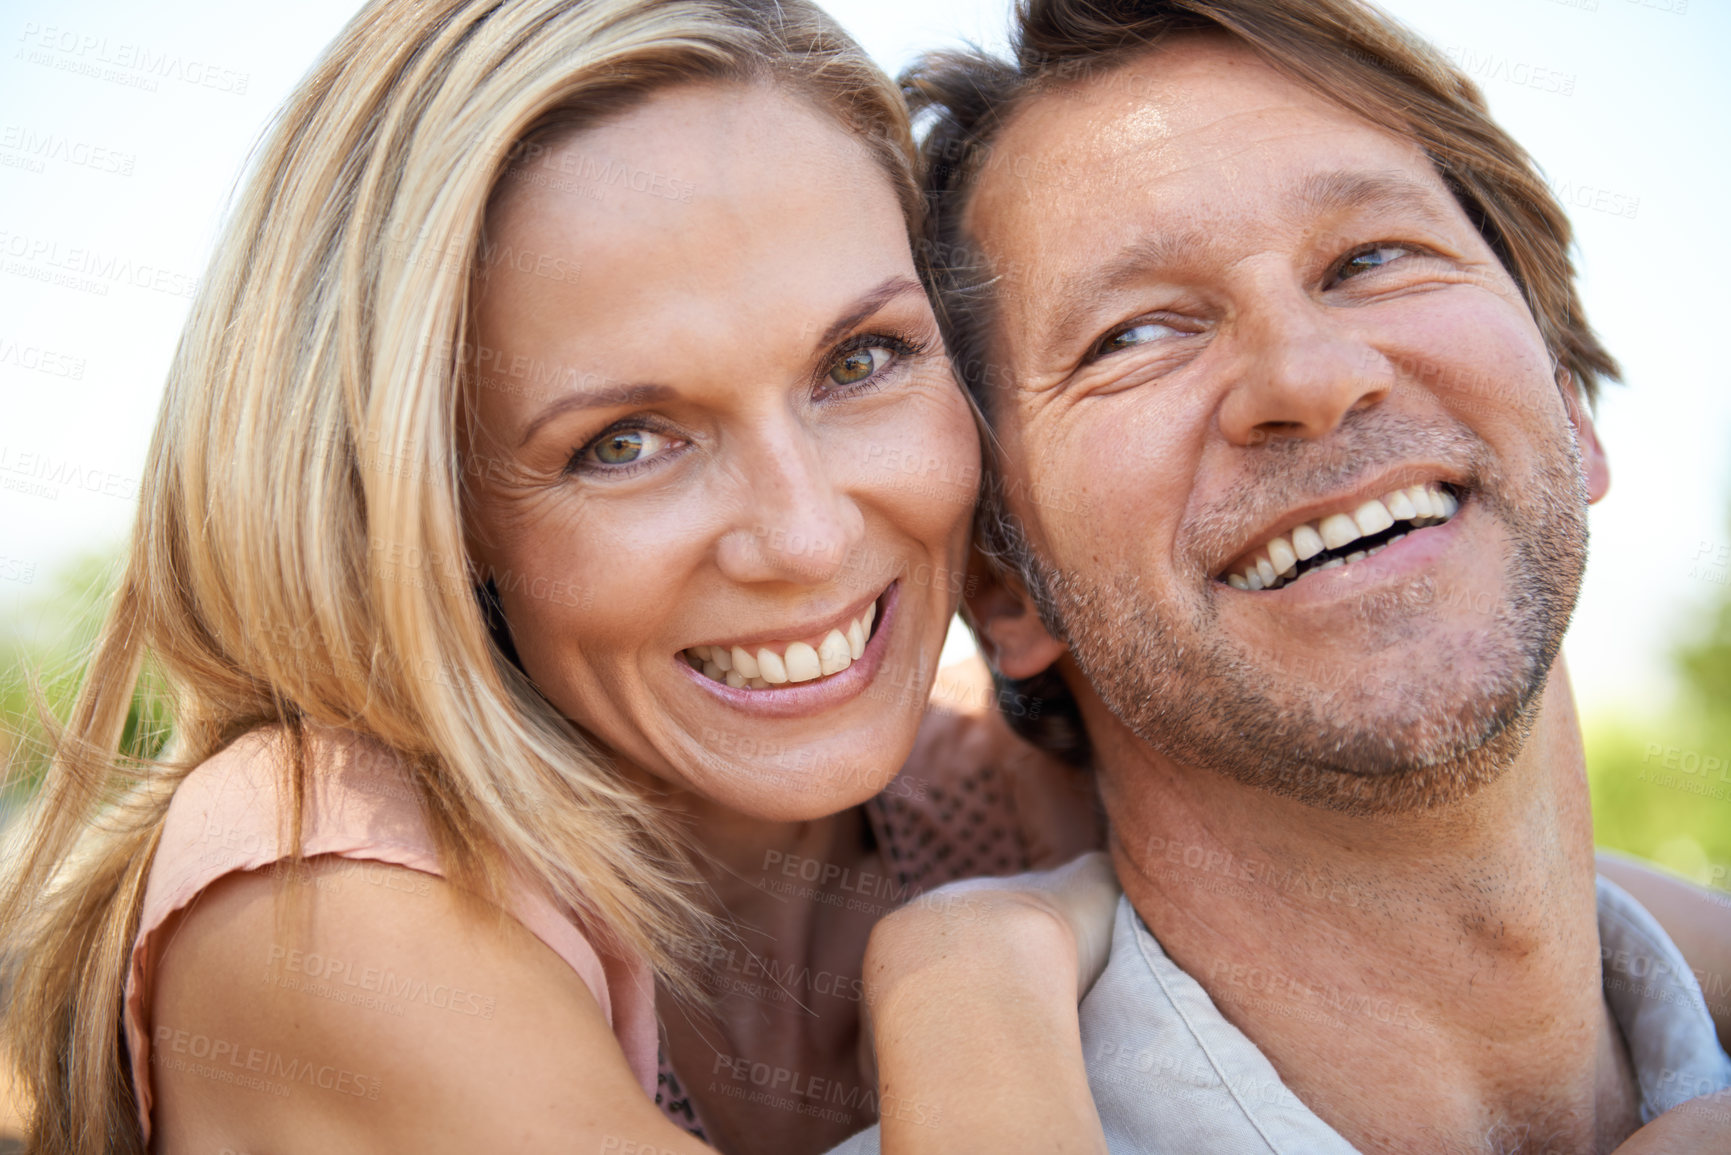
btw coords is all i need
(339, 1004)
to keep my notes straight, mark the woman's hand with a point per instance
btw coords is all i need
(1081, 895)
(971, 996)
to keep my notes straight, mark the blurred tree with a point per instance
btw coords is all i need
(1662, 786)
(47, 649)
(1706, 664)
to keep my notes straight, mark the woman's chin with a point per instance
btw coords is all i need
(804, 785)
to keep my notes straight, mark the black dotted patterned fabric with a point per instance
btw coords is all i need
(673, 1100)
(944, 831)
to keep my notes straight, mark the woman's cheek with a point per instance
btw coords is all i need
(926, 467)
(585, 573)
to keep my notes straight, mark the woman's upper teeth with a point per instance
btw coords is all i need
(1283, 558)
(761, 667)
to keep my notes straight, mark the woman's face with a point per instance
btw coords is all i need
(712, 425)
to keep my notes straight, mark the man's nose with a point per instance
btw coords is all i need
(797, 522)
(1301, 370)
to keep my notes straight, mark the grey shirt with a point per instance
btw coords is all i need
(1171, 1076)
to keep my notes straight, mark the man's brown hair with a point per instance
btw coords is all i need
(1345, 50)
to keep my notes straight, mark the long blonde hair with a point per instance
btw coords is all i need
(298, 556)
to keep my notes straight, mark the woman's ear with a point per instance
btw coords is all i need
(1594, 464)
(1011, 635)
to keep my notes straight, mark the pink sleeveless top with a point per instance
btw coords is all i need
(225, 817)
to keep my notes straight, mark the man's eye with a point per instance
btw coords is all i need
(858, 365)
(1368, 259)
(1139, 334)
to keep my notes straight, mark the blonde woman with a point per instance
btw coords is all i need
(531, 546)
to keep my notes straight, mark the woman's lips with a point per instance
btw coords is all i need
(762, 667)
(825, 692)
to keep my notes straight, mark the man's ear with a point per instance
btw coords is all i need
(1011, 635)
(1594, 464)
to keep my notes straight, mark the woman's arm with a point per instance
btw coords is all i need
(378, 1009)
(1698, 921)
(1692, 1128)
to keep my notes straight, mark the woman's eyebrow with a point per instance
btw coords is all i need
(604, 398)
(869, 303)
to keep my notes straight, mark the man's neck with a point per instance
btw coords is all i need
(1422, 981)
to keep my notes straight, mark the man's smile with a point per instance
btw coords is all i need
(1351, 533)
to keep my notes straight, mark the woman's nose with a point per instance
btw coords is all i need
(799, 522)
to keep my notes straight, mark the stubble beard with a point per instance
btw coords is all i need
(1431, 738)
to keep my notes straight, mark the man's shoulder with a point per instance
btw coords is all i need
(1653, 995)
(1171, 1074)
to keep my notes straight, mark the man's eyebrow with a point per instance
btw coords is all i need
(1321, 193)
(1130, 264)
(868, 303)
(1317, 195)
(606, 397)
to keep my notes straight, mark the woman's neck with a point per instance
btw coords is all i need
(786, 984)
(746, 860)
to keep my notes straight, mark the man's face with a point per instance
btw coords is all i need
(1250, 336)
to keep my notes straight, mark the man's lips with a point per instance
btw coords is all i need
(1348, 531)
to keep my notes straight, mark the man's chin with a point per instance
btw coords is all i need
(1391, 769)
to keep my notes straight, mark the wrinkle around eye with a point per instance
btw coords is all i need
(1389, 252)
(1107, 375)
(1164, 347)
(1408, 264)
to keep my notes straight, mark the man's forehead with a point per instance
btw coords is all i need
(1198, 96)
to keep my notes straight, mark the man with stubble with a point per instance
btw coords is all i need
(1279, 339)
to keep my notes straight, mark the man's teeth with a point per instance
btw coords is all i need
(763, 667)
(1284, 559)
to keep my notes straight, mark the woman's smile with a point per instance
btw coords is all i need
(775, 680)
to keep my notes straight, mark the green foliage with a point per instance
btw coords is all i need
(1706, 663)
(1662, 790)
(46, 653)
(1662, 786)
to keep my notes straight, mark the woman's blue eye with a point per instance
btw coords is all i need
(857, 365)
(1136, 335)
(1371, 259)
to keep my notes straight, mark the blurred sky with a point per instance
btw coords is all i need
(123, 126)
